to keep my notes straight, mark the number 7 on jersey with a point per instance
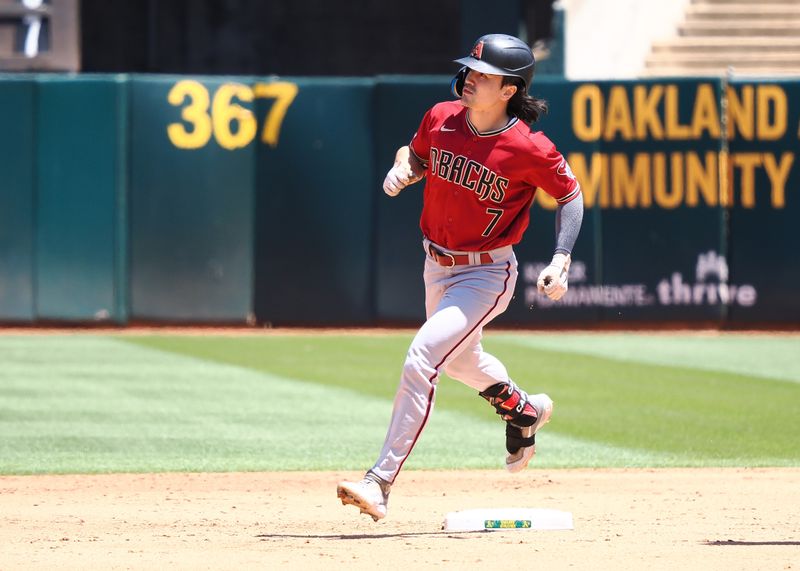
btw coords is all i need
(496, 214)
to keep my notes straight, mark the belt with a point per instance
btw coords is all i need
(450, 260)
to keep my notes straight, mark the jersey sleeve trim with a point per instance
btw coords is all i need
(571, 195)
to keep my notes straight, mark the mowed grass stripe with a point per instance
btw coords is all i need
(88, 404)
(84, 404)
(672, 410)
(95, 404)
(691, 416)
(367, 364)
(463, 430)
(759, 355)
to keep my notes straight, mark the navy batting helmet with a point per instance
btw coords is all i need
(498, 54)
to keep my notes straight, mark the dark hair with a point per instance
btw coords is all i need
(522, 105)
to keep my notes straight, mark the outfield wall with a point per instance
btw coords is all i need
(240, 200)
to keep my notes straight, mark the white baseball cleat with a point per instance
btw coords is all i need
(544, 409)
(370, 495)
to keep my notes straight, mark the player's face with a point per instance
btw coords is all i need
(482, 91)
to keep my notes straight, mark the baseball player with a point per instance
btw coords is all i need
(483, 165)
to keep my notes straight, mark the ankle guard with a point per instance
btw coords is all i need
(511, 403)
(516, 438)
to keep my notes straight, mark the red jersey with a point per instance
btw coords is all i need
(479, 186)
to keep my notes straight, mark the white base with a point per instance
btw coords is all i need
(517, 519)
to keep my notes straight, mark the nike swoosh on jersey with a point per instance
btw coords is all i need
(445, 129)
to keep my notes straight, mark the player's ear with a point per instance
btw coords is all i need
(508, 91)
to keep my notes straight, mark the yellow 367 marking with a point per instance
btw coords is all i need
(232, 124)
(284, 93)
(195, 113)
(225, 113)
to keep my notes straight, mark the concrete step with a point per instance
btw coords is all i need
(755, 44)
(741, 2)
(754, 12)
(712, 71)
(749, 37)
(773, 61)
(789, 28)
(778, 58)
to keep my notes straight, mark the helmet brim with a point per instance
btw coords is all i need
(482, 66)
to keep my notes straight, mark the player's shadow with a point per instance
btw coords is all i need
(733, 542)
(340, 536)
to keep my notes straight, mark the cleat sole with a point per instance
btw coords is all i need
(356, 500)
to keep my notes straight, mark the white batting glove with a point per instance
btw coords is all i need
(553, 280)
(397, 179)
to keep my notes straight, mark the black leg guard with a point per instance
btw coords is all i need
(511, 403)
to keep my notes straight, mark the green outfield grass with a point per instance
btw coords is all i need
(114, 403)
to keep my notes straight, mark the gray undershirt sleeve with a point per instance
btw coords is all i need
(569, 217)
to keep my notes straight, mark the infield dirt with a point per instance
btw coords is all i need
(703, 519)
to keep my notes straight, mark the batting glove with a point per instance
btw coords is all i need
(553, 280)
(397, 179)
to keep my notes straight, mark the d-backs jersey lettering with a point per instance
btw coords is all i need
(479, 186)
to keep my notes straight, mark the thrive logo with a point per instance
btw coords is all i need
(711, 264)
(711, 285)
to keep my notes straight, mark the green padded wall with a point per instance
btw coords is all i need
(314, 208)
(17, 100)
(191, 209)
(80, 131)
(242, 199)
(764, 239)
